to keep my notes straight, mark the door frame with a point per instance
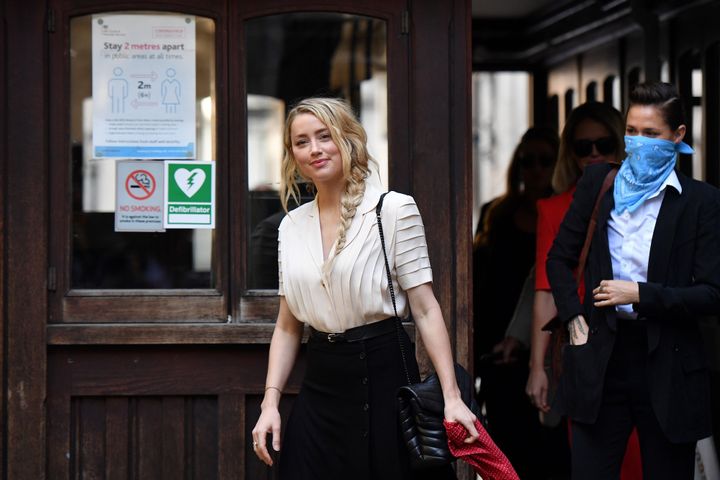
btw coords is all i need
(25, 249)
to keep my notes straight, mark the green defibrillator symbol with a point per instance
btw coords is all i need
(189, 194)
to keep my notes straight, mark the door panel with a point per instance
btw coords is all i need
(161, 413)
(144, 437)
(100, 275)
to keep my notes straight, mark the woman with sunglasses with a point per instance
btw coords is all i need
(504, 254)
(593, 133)
(636, 358)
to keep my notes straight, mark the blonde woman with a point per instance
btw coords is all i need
(592, 134)
(332, 278)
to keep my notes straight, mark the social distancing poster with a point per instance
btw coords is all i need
(143, 69)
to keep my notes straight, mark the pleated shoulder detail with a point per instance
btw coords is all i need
(412, 260)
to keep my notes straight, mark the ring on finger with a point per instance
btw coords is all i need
(255, 444)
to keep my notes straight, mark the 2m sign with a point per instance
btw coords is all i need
(189, 194)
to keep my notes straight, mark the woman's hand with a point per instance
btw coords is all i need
(579, 331)
(616, 292)
(269, 421)
(537, 388)
(284, 348)
(457, 412)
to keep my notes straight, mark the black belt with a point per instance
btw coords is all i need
(356, 334)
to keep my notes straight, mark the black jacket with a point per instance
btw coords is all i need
(683, 284)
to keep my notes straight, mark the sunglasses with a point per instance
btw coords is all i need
(604, 146)
(529, 160)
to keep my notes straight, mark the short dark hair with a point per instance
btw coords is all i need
(662, 95)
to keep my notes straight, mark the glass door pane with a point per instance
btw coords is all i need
(103, 258)
(290, 57)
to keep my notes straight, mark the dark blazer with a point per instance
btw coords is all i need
(683, 285)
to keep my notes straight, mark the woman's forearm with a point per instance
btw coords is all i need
(437, 343)
(284, 348)
(429, 322)
(543, 311)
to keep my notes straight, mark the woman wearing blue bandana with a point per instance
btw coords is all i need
(636, 358)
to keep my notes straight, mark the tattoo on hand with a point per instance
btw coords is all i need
(579, 325)
(573, 327)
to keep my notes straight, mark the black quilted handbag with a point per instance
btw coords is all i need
(421, 405)
(421, 418)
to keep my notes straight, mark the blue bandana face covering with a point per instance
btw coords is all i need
(648, 163)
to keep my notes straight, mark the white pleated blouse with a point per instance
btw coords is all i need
(355, 290)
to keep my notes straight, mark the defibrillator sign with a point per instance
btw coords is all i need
(189, 194)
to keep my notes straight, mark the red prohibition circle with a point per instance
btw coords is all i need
(132, 182)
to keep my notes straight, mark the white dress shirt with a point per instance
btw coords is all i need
(355, 290)
(630, 236)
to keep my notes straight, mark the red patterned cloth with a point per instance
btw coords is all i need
(482, 455)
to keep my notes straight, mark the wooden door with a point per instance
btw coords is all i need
(164, 380)
(143, 355)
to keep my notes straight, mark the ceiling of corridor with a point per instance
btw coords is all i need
(507, 8)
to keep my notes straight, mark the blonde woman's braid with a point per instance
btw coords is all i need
(351, 198)
(349, 202)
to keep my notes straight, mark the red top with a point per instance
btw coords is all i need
(551, 212)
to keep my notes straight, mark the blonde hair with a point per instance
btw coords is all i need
(567, 170)
(351, 140)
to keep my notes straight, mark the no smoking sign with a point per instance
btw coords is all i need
(139, 196)
(140, 184)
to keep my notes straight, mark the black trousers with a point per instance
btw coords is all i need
(598, 449)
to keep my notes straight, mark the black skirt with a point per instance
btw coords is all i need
(344, 421)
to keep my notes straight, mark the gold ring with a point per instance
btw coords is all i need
(254, 445)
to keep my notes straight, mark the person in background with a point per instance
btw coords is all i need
(504, 254)
(635, 358)
(344, 423)
(593, 134)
